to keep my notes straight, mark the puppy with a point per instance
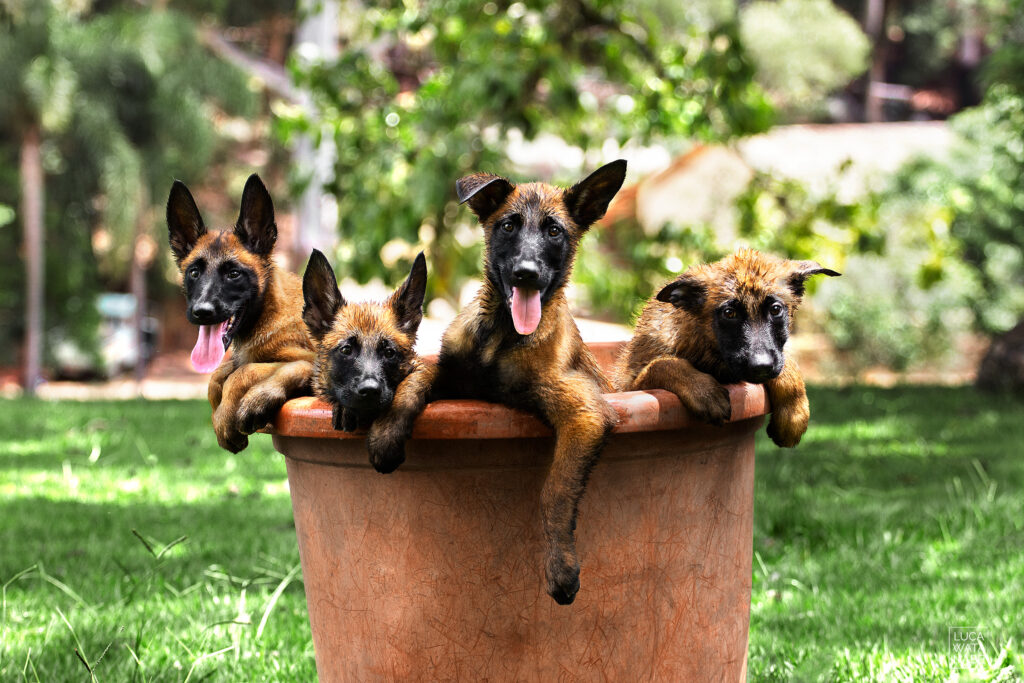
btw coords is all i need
(241, 302)
(517, 344)
(721, 323)
(363, 350)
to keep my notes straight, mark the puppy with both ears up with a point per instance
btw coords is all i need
(241, 302)
(719, 323)
(364, 351)
(517, 343)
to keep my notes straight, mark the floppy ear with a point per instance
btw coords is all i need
(184, 224)
(685, 292)
(407, 301)
(485, 193)
(588, 199)
(320, 295)
(255, 227)
(803, 270)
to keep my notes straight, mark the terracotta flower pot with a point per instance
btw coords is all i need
(434, 572)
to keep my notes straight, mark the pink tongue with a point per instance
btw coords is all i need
(525, 310)
(209, 349)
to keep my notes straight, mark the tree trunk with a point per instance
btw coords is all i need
(31, 179)
(316, 212)
(142, 257)
(1002, 368)
(874, 23)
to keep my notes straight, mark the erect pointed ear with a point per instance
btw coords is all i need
(407, 301)
(485, 193)
(320, 294)
(255, 227)
(686, 292)
(184, 224)
(803, 270)
(588, 199)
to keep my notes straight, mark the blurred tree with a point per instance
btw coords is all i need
(803, 51)
(109, 106)
(426, 92)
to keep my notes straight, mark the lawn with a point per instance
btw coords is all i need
(132, 546)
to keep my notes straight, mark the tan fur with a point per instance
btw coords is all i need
(272, 364)
(675, 349)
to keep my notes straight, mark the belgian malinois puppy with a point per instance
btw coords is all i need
(720, 323)
(363, 350)
(517, 343)
(241, 302)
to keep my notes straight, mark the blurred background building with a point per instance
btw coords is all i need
(880, 137)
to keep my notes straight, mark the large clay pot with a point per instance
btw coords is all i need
(435, 572)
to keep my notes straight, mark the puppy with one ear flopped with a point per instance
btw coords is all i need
(720, 323)
(363, 350)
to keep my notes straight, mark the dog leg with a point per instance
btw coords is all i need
(700, 392)
(388, 434)
(215, 388)
(582, 420)
(225, 417)
(261, 402)
(790, 409)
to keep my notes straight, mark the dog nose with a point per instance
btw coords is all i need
(203, 312)
(762, 364)
(526, 271)
(368, 388)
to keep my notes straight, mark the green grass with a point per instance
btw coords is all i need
(78, 481)
(901, 514)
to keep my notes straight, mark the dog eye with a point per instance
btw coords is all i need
(730, 313)
(554, 230)
(389, 352)
(346, 350)
(776, 309)
(193, 273)
(507, 225)
(233, 274)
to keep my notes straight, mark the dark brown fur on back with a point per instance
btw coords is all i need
(676, 346)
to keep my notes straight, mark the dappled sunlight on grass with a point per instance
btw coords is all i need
(897, 517)
(133, 538)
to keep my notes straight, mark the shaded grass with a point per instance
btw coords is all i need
(128, 536)
(898, 517)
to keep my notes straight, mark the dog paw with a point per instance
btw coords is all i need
(563, 580)
(386, 450)
(786, 429)
(710, 402)
(228, 436)
(258, 408)
(232, 441)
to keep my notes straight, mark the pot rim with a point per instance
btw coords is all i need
(638, 411)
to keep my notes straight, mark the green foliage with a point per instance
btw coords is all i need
(124, 98)
(774, 214)
(425, 93)
(972, 207)
(623, 266)
(803, 50)
(782, 216)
